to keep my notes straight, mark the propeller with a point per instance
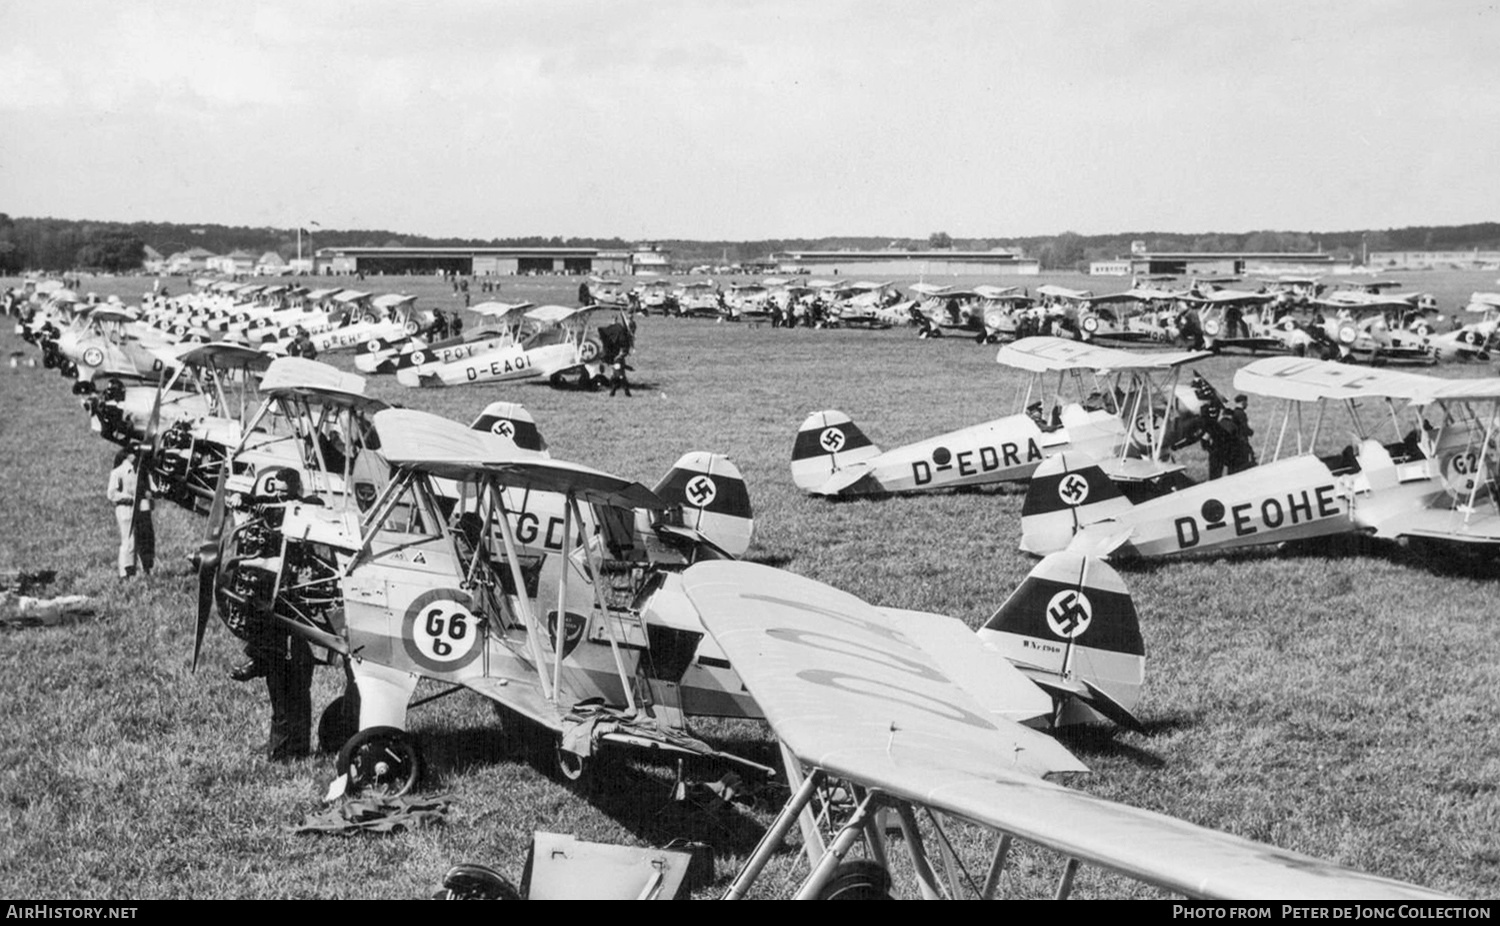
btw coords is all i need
(207, 563)
(145, 456)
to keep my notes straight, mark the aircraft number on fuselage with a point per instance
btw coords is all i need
(499, 367)
(1248, 518)
(439, 631)
(973, 462)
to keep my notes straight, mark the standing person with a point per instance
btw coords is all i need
(1241, 452)
(584, 296)
(617, 379)
(137, 532)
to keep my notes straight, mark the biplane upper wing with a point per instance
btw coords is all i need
(501, 310)
(449, 450)
(298, 374)
(847, 691)
(221, 353)
(1303, 380)
(1053, 355)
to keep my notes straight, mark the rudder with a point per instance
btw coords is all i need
(511, 422)
(1072, 628)
(1067, 492)
(713, 498)
(826, 442)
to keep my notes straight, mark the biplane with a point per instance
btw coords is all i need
(1135, 316)
(1135, 417)
(1398, 471)
(503, 327)
(103, 341)
(867, 304)
(188, 425)
(656, 296)
(892, 722)
(939, 310)
(699, 299)
(561, 341)
(1472, 341)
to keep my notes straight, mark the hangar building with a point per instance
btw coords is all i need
(907, 263)
(469, 261)
(1235, 263)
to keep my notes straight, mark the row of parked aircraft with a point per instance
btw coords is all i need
(1365, 321)
(1415, 456)
(92, 342)
(409, 547)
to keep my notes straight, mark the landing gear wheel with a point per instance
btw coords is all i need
(857, 879)
(339, 721)
(381, 760)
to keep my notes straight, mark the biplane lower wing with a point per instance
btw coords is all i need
(851, 695)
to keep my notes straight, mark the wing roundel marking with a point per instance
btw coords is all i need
(440, 632)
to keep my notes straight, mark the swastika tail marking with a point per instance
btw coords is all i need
(1069, 613)
(1073, 489)
(831, 440)
(701, 490)
(503, 428)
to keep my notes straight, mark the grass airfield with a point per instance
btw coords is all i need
(1336, 701)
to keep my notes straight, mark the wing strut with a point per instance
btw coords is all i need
(522, 605)
(997, 868)
(773, 837)
(597, 570)
(562, 597)
(852, 830)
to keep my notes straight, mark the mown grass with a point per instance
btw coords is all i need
(1338, 702)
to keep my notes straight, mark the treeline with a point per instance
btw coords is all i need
(66, 244)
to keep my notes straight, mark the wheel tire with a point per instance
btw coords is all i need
(571, 766)
(381, 760)
(857, 879)
(339, 722)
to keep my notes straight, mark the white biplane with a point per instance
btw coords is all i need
(504, 325)
(1401, 475)
(1134, 417)
(561, 341)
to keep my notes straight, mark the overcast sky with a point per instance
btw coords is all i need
(743, 119)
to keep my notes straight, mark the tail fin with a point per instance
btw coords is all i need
(1072, 628)
(513, 423)
(714, 499)
(1067, 492)
(827, 442)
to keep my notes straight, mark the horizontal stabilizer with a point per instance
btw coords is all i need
(846, 479)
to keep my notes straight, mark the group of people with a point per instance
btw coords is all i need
(1226, 437)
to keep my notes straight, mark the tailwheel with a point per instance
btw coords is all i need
(381, 760)
(572, 766)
